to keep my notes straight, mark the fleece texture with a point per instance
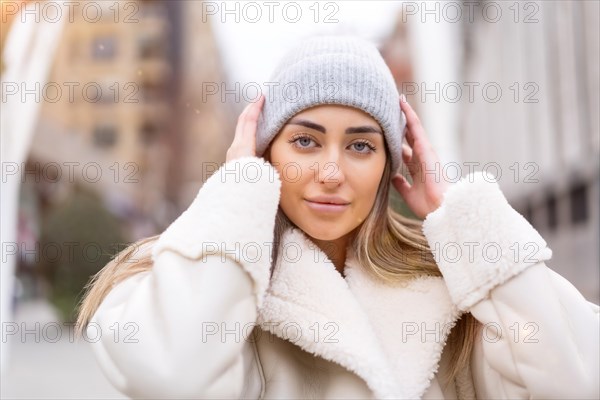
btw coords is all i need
(391, 336)
(199, 231)
(478, 240)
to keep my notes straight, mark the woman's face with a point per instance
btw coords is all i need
(329, 153)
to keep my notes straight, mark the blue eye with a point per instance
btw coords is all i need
(304, 141)
(362, 145)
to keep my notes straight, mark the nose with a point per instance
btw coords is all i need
(330, 170)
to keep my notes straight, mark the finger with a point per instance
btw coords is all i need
(413, 124)
(420, 146)
(410, 123)
(401, 185)
(410, 138)
(239, 128)
(407, 158)
(252, 117)
(406, 153)
(409, 112)
(249, 126)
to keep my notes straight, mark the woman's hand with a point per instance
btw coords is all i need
(244, 141)
(425, 193)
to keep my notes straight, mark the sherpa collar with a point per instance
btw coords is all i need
(390, 336)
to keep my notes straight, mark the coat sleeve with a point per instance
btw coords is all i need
(182, 329)
(539, 335)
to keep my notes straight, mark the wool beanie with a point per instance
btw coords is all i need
(342, 70)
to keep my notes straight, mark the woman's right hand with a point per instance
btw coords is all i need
(244, 141)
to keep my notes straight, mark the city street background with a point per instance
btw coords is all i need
(115, 113)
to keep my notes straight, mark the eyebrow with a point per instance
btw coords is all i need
(320, 128)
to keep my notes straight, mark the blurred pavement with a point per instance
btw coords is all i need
(66, 369)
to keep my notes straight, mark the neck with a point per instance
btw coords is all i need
(335, 251)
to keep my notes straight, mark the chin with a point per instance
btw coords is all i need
(325, 233)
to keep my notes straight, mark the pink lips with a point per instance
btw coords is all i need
(326, 207)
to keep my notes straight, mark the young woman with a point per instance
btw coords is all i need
(289, 276)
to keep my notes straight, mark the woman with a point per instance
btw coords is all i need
(290, 276)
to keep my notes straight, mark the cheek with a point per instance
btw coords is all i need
(365, 182)
(294, 181)
(288, 194)
(367, 195)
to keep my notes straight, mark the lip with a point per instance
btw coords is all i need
(325, 207)
(328, 200)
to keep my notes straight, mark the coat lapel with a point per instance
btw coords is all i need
(390, 336)
(412, 323)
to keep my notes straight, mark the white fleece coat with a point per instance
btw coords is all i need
(209, 320)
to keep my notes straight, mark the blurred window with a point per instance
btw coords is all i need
(108, 94)
(150, 47)
(105, 136)
(149, 133)
(151, 8)
(528, 213)
(104, 48)
(551, 211)
(113, 90)
(579, 203)
(151, 90)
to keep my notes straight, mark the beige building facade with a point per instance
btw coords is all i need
(123, 112)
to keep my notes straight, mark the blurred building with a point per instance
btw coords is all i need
(422, 51)
(113, 85)
(397, 51)
(124, 101)
(544, 131)
(207, 117)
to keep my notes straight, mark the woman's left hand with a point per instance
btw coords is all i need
(425, 193)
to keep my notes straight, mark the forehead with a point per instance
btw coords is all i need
(336, 113)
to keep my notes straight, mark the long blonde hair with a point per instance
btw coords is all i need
(388, 244)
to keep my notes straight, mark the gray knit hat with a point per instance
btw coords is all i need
(333, 70)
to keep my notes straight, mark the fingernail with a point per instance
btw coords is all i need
(403, 97)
